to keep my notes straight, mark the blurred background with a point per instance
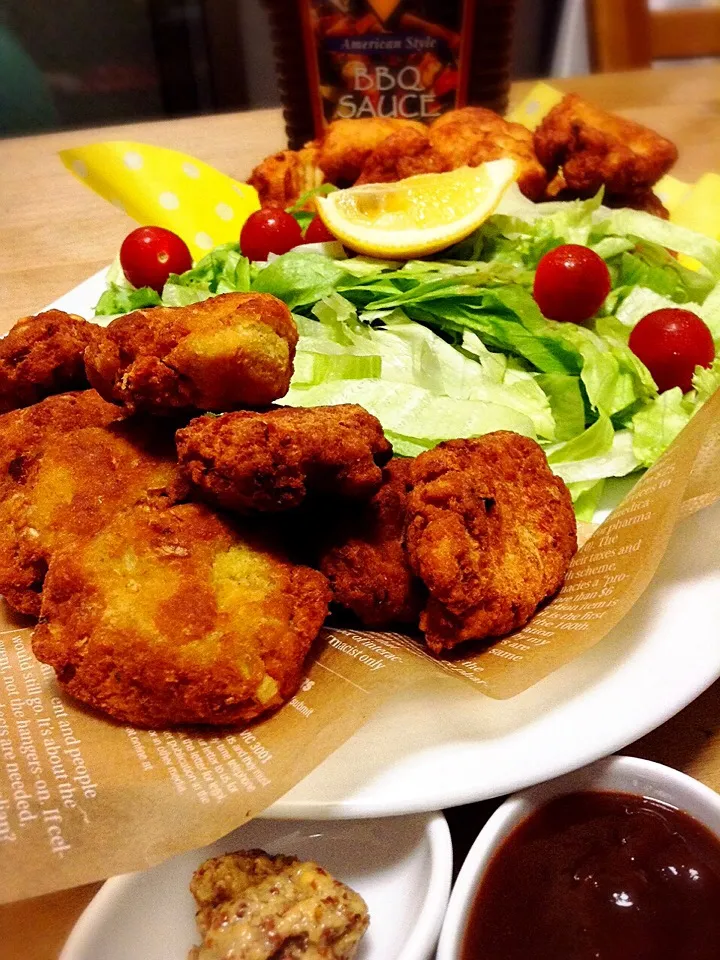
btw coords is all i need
(83, 63)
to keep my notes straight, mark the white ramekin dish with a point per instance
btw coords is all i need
(614, 774)
(402, 866)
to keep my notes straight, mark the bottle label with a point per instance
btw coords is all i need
(386, 58)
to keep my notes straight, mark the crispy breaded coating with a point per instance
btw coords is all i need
(74, 486)
(25, 434)
(254, 906)
(490, 532)
(270, 461)
(43, 355)
(404, 154)
(234, 350)
(592, 148)
(644, 200)
(347, 144)
(473, 135)
(175, 616)
(282, 178)
(364, 557)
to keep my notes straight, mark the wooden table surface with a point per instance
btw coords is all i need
(54, 233)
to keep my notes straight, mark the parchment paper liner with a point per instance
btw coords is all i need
(82, 798)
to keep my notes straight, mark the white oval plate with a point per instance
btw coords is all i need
(401, 867)
(444, 745)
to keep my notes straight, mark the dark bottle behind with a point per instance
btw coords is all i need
(413, 59)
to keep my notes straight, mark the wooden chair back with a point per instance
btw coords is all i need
(627, 35)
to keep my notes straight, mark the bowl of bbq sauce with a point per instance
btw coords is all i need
(618, 861)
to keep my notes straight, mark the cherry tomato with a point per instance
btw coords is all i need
(317, 232)
(571, 283)
(269, 231)
(149, 255)
(671, 343)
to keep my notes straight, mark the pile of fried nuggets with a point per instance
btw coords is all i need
(182, 568)
(577, 149)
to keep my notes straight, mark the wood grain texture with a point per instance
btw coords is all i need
(54, 232)
(619, 34)
(627, 35)
(685, 33)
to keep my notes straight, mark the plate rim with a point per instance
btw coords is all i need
(356, 804)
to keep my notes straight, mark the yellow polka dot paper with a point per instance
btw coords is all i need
(536, 105)
(165, 188)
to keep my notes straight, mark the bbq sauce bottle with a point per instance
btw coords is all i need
(413, 59)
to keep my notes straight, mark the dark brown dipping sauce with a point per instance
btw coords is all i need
(600, 876)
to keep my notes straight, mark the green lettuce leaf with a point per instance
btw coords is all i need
(298, 209)
(596, 454)
(412, 354)
(645, 226)
(656, 425)
(299, 278)
(586, 495)
(566, 403)
(122, 298)
(423, 417)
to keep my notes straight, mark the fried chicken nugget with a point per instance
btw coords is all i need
(75, 485)
(404, 154)
(250, 461)
(254, 906)
(175, 616)
(282, 178)
(24, 433)
(490, 532)
(473, 135)
(43, 355)
(347, 144)
(593, 148)
(234, 350)
(365, 561)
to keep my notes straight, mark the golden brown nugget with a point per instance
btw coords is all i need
(25, 432)
(175, 616)
(591, 148)
(234, 350)
(76, 484)
(490, 532)
(404, 154)
(365, 560)
(281, 179)
(473, 135)
(271, 461)
(41, 356)
(347, 144)
(255, 906)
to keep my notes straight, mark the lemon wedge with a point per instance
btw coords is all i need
(419, 215)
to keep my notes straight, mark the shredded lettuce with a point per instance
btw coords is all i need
(412, 412)
(122, 298)
(586, 495)
(454, 345)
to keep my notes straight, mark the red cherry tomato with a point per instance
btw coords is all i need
(317, 232)
(571, 283)
(149, 255)
(269, 231)
(671, 343)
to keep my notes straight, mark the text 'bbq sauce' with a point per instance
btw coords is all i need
(413, 59)
(600, 876)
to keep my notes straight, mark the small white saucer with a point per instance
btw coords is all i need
(401, 866)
